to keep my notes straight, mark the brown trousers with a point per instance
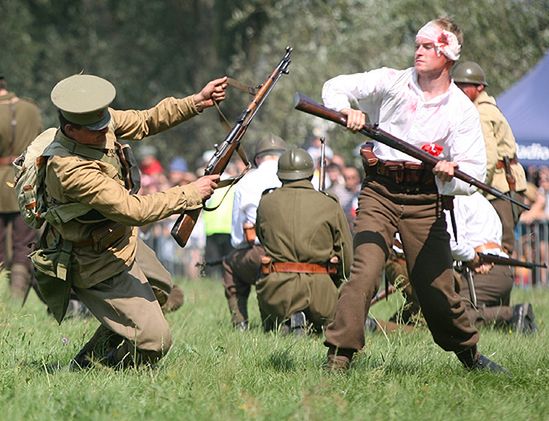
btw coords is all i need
(241, 270)
(422, 226)
(15, 235)
(493, 291)
(126, 305)
(504, 210)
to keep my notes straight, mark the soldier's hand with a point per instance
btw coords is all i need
(214, 91)
(356, 119)
(444, 170)
(478, 266)
(206, 185)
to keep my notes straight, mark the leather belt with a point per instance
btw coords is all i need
(7, 160)
(406, 175)
(295, 267)
(488, 246)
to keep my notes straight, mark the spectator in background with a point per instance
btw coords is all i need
(334, 176)
(217, 226)
(179, 173)
(347, 192)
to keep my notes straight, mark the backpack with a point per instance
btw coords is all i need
(30, 173)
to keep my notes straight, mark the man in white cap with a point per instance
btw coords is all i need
(91, 184)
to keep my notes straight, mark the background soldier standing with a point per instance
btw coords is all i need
(503, 171)
(20, 123)
(308, 247)
(96, 241)
(241, 267)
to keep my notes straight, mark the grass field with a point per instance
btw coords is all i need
(213, 372)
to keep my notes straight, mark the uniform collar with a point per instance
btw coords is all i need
(299, 184)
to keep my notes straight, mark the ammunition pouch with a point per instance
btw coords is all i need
(409, 177)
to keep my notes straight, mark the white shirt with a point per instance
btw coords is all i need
(393, 99)
(477, 223)
(247, 195)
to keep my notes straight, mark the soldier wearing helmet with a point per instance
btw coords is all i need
(92, 185)
(308, 248)
(241, 266)
(503, 171)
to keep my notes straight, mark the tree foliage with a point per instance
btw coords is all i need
(153, 49)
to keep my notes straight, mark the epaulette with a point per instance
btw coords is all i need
(269, 190)
(331, 196)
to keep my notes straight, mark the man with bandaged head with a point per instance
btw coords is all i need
(423, 107)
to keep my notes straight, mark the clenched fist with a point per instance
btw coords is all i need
(206, 185)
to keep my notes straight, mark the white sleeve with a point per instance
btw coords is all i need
(340, 91)
(469, 152)
(460, 247)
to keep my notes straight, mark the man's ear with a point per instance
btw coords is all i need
(68, 128)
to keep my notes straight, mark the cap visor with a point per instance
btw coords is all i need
(101, 124)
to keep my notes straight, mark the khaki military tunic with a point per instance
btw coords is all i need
(100, 185)
(295, 223)
(500, 143)
(14, 139)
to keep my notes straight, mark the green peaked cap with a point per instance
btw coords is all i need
(84, 100)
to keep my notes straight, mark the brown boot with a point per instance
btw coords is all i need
(175, 300)
(20, 281)
(339, 359)
(237, 318)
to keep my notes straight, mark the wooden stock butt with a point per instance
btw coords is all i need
(184, 225)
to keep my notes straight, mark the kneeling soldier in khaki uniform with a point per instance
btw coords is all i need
(308, 247)
(92, 190)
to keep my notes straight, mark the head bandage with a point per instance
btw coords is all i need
(445, 42)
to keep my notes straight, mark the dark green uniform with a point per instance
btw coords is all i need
(295, 223)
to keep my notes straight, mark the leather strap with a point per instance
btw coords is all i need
(296, 267)
(501, 163)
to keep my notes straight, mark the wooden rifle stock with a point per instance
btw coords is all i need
(307, 105)
(508, 261)
(184, 225)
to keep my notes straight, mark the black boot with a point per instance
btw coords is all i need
(298, 324)
(523, 319)
(473, 360)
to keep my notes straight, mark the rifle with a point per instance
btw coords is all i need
(508, 261)
(184, 225)
(322, 170)
(307, 105)
(382, 294)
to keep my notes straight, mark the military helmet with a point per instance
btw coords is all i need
(84, 100)
(295, 164)
(268, 145)
(469, 72)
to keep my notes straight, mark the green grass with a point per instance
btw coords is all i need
(213, 372)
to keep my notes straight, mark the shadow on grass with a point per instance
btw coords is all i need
(280, 360)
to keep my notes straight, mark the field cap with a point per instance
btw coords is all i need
(84, 100)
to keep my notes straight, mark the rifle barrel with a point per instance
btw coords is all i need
(306, 104)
